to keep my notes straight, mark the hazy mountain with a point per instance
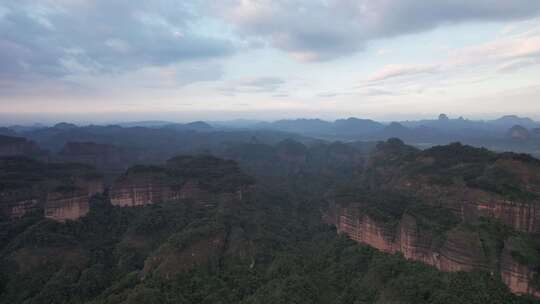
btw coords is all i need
(145, 123)
(512, 120)
(7, 132)
(519, 133)
(195, 126)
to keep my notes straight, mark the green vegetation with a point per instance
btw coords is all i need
(100, 260)
(270, 247)
(212, 173)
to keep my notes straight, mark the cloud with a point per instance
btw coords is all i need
(398, 70)
(328, 95)
(508, 54)
(506, 49)
(55, 38)
(253, 85)
(513, 66)
(317, 30)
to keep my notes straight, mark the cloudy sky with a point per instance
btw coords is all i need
(106, 60)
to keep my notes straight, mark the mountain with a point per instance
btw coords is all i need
(342, 128)
(518, 132)
(145, 124)
(19, 146)
(56, 191)
(394, 129)
(109, 159)
(355, 126)
(203, 229)
(7, 132)
(64, 126)
(183, 233)
(512, 120)
(535, 133)
(455, 207)
(306, 126)
(195, 126)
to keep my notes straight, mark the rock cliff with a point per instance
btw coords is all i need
(57, 191)
(458, 209)
(203, 179)
(460, 249)
(71, 205)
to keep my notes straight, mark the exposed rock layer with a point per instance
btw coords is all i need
(459, 250)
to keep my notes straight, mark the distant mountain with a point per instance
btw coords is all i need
(535, 133)
(65, 126)
(342, 128)
(21, 129)
(395, 129)
(193, 126)
(356, 126)
(519, 133)
(7, 132)
(146, 123)
(19, 146)
(512, 120)
(307, 126)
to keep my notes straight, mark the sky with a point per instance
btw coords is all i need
(124, 60)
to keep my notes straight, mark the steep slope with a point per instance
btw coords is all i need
(453, 207)
(57, 191)
(202, 178)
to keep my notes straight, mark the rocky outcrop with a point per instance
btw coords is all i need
(68, 205)
(54, 190)
(139, 193)
(523, 217)
(15, 204)
(19, 209)
(126, 194)
(516, 276)
(471, 204)
(74, 203)
(56, 205)
(205, 179)
(459, 249)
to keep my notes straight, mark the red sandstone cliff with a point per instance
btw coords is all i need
(62, 206)
(459, 250)
(516, 276)
(204, 179)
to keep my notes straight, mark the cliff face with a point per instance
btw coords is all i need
(520, 216)
(135, 193)
(471, 204)
(460, 251)
(58, 191)
(62, 206)
(129, 194)
(20, 208)
(72, 205)
(205, 180)
(515, 275)
(489, 197)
